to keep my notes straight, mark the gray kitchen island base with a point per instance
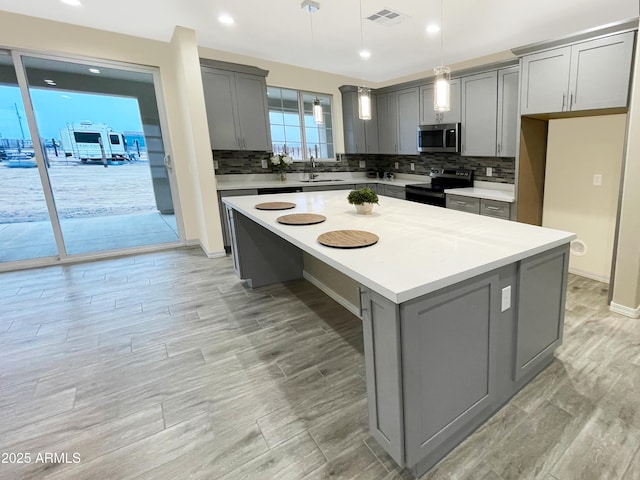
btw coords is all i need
(440, 364)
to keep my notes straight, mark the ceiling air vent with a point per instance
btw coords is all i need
(387, 17)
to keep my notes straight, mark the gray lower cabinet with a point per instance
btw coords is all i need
(495, 208)
(392, 191)
(579, 76)
(333, 186)
(372, 186)
(438, 366)
(237, 112)
(463, 204)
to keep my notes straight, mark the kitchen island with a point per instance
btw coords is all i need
(459, 311)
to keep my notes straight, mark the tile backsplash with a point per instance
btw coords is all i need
(234, 162)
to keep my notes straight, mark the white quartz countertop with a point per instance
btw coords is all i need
(243, 182)
(422, 248)
(488, 193)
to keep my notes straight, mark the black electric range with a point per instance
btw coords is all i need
(433, 193)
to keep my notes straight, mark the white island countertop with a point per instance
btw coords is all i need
(422, 248)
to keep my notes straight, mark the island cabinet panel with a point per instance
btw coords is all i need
(381, 331)
(260, 256)
(541, 300)
(448, 358)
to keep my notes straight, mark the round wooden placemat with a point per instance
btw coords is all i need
(275, 206)
(301, 219)
(348, 239)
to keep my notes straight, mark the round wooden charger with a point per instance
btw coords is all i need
(348, 239)
(301, 219)
(275, 206)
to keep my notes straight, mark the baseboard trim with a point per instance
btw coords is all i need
(588, 275)
(198, 243)
(332, 293)
(626, 311)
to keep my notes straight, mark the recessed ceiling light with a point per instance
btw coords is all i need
(433, 28)
(365, 53)
(46, 80)
(94, 70)
(227, 19)
(65, 96)
(73, 3)
(51, 84)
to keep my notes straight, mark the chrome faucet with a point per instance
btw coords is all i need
(312, 166)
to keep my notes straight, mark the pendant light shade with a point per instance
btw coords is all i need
(318, 116)
(442, 87)
(364, 103)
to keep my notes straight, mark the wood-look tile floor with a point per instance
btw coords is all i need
(164, 366)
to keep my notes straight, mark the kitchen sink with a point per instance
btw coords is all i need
(323, 180)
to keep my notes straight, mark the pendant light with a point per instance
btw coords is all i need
(312, 7)
(364, 93)
(364, 103)
(442, 87)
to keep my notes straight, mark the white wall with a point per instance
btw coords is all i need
(626, 291)
(578, 149)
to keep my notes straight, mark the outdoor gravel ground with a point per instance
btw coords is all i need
(80, 190)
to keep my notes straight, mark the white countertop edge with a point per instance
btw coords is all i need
(416, 292)
(487, 193)
(250, 184)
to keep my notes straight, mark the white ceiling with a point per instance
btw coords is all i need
(279, 30)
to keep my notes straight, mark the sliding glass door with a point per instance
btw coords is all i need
(26, 231)
(98, 155)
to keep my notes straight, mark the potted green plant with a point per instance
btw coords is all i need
(363, 199)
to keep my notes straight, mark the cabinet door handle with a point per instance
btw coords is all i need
(494, 208)
(563, 99)
(571, 101)
(499, 148)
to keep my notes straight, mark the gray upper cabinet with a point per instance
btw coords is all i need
(508, 82)
(408, 120)
(479, 114)
(398, 118)
(585, 76)
(429, 116)
(387, 105)
(360, 136)
(237, 111)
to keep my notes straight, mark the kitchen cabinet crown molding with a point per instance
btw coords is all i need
(233, 67)
(589, 34)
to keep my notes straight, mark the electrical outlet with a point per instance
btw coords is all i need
(363, 164)
(489, 171)
(215, 164)
(413, 167)
(506, 298)
(265, 164)
(397, 165)
(597, 180)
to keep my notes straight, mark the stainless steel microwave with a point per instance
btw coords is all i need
(440, 137)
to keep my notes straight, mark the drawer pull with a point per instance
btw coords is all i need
(494, 208)
(461, 203)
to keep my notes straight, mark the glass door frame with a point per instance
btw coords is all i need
(17, 55)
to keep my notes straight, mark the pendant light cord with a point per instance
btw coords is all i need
(361, 34)
(441, 34)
